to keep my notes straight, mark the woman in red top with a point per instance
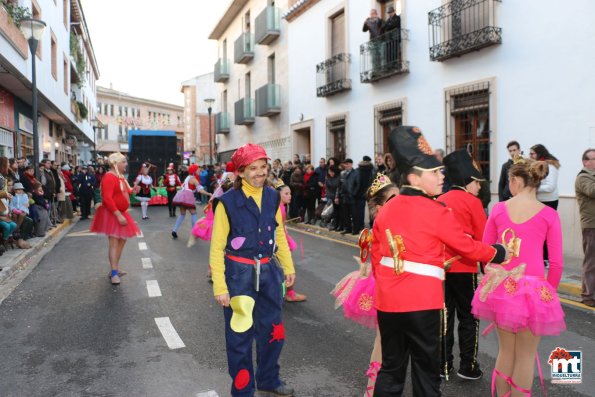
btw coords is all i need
(112, 217)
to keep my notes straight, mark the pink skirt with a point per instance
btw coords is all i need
(203, 229)
(104, 222)
(356, 294)
(185, 198)
(530, 303)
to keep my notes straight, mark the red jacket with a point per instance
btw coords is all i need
(426, 227)
(468, 210)
(68, 184)
(114, 193)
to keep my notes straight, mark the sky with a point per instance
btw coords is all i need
(146, 48)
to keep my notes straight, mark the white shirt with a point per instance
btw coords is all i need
(548, 189)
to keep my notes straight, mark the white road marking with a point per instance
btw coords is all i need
(147, 263)
(142, 246)
(169, 333)
(210, 393)
(153, 288)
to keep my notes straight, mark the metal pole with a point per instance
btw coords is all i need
(33, 47)
(210, 139)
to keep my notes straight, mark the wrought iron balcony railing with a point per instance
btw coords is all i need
(244, 111)
(268, 100)
(332, 75)
(383, 57)
(462, 26)
(221, 70)
(268, 25)
(221, 123)
(244, 48)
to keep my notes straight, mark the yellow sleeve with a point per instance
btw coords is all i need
(217, 254)
(283, 253)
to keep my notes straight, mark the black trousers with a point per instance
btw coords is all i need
(407, 335)
(459, 290)
(170, 202)
(554, 205)
(348, 215)
(85, 203)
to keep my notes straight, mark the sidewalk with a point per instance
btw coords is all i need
(15, 260)
(570, 285)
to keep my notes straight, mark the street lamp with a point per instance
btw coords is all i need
(33, 31)
(209, 102)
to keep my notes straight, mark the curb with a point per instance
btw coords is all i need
(22, 260)
(571, 289)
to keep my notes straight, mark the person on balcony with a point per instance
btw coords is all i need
(373, 25)
(392, 34)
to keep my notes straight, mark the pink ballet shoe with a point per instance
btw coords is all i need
(508, 380)
(372, 374)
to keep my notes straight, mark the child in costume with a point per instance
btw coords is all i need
(144, 182)
(461, 275)
(112, 217)
(409, 235)
(250, 261)
(185, 198)
(355, 292)
(172, 183)
(285, 193)
(517, 297)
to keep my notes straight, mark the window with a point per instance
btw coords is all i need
(384, 4)
(271, 69)
(225, 49)
(248, 86)
(335, 137)
(338, 33)
(36, 14)
(54, 47)
(120, 111)
(224, 101)
(126, 111)
(247, 21)
(387, 117)
(105, 131)
(120, 130)
(65, 70)
(469, 111)
(112, 110)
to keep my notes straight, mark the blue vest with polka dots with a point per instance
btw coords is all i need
(252, 231)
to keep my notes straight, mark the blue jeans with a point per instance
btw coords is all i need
(7, 228)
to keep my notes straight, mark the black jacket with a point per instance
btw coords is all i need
(365, 171)
(312, 189)
(374, 27)
(393, 23)
(349, 186)
(332, 187)
(503, 188)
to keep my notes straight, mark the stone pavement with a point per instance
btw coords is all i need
(570, 285)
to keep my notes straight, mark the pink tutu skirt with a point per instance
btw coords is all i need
(203, 229)
(530, 303)
(185, 198)
(356, 294)
(104, 222)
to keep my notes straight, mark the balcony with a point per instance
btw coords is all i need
(268, 25)
(244, 48)
(222, 123)
(383, 57)
(221, 70)
(268, 100)
(332, 75)
(244, 111)
(460, 27)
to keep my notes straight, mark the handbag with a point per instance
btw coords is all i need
(327, 212)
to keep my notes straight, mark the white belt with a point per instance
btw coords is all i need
(417, 268)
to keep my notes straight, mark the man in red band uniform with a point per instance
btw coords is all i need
(461, 275)
(409, 303)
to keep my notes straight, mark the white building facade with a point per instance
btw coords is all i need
(66, 71)
(475, 73)
(252, 74)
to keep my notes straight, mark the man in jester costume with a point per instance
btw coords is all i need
(251, 265)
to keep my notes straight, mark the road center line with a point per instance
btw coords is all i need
(147, 263)
(142, 246)
(169, 333)
(153, 288)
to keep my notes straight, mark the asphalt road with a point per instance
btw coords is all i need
(66, 331)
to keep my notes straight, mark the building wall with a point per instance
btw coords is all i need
(272, 132)
(538, 94)
(195, 91)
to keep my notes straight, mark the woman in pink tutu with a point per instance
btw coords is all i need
(185, 198)
(355, 292)
(112, 217)
(517, 297)
(285, 193)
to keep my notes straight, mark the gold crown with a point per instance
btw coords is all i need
(279, 183)
(518, 159)
(381, 181)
